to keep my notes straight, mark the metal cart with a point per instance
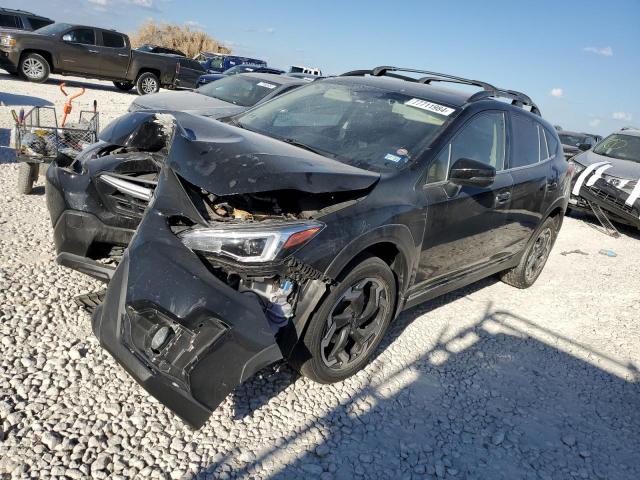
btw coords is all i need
(39, 140)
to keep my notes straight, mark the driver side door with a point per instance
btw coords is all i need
(78, 51)
(465, 225)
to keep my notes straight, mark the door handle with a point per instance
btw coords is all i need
(123, 55)
(502, 197)
(93, 51)
(552, 185)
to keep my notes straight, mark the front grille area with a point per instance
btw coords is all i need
(607, 197)
(122, 193)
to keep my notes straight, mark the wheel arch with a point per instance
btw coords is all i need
(394, 244)
(44, 53)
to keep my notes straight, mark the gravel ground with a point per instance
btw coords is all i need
(488, 382)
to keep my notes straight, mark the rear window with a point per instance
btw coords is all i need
(526, 142)
(37, 23)
(10, 21)
(113, 40)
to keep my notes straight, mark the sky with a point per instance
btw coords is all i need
(579, 61)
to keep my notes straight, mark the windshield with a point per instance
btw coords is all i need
(573, 140)
(360, 125)
(53, 29)
(239, 69)
(239, 90)
(623, 147)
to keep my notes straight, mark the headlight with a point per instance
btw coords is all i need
(7, 41)
(250, 243)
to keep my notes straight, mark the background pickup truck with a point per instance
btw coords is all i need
(92, 53)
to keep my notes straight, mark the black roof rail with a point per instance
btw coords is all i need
(519, 99)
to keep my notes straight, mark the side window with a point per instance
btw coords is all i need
(113, 40)
(526, 149)
(85, 36)
(482, 139)
(552, 143)
(10, 21)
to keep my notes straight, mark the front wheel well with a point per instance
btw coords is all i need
(46, 55)
(558, 215)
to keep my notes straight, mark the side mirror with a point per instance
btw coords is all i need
(584, 146)
(67, 37)
(469, 172)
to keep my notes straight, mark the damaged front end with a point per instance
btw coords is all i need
(96, 200)
(212, 287)
(617, 196)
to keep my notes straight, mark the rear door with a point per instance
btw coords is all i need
(529, 165)
(79, 52)
(466, 225)
(114, 54)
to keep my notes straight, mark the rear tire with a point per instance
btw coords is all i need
(27, 176)
(363, 303)
(147, 83)
(34, 68)
(535, 257)
(124, 86)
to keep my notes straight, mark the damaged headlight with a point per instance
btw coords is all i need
(250, 243)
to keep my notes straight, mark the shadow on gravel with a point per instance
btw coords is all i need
(7, 154)
(12, 100)
(488, 402)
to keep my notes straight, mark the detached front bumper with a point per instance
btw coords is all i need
(215, 339)
(83, 228)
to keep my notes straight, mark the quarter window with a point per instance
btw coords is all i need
(526, 142)
(542, 145)
(85, 36)
(552, 143)
(112, 40)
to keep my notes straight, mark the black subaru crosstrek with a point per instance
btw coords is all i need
(300, 229)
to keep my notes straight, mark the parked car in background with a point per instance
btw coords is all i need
(219, 62)
(244, 68)
(228, 96)
(105, 187)
(301, 228)
(574, 143)
(21, 20)
(609, 176)
(150, 48)
(596, 137)
(188, 73)
(87, 52)
(314, 71)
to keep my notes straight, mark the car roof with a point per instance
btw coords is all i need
(437, 94)
(275, 78)
(22, 12)
(634, 132)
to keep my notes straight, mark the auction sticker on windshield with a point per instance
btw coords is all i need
(266, 85)
(430, 106)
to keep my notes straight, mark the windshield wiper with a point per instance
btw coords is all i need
(295, 143)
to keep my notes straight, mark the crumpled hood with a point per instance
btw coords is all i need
(228, 160)
(620, 168)
(189, 102)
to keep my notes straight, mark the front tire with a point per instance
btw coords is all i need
(34, 68)
(124, 86)
(147, 83)
(349, 324)
(535, 257)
